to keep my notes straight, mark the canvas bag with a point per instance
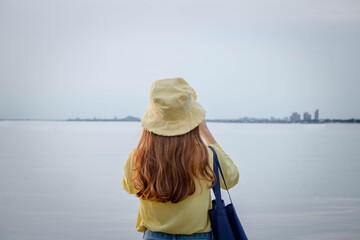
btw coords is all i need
(225, 223)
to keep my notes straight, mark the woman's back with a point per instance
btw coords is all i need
(187, 216)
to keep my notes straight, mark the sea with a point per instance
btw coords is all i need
(61, 180)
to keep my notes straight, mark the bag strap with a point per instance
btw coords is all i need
(216, 188)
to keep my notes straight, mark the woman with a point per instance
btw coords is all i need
(170, 170)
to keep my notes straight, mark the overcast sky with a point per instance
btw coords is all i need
(257, 58)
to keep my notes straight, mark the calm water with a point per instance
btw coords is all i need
(62, 180)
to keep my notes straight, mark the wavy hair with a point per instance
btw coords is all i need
(166, 167)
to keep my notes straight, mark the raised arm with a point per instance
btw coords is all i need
(231, 173)
(206, 134)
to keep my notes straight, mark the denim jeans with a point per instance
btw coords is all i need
(149, 235)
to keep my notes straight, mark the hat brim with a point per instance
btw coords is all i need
(155, 124)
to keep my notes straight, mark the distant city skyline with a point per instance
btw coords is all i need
(309, 115)
(295, 117)
(119, 116)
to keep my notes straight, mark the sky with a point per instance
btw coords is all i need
(63, 59)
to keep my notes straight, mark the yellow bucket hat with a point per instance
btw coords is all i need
(173, 109)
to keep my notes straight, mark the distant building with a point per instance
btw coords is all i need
(295, 117)
(317, 115)
(286, 119)
(307, 116)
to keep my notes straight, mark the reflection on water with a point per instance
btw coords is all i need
(62, 180)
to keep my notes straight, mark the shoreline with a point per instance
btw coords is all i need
(324, 121)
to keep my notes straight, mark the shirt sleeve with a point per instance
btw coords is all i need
(229, 169)
(126, 180)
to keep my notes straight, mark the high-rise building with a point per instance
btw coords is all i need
(295, 117)
(307, 116)
(317, 115)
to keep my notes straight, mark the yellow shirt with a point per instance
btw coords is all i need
(189, 215)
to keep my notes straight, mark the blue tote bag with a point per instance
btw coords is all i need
(225, 223)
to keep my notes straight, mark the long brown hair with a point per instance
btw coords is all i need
(166, 167)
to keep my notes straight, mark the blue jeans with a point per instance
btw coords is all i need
(149, 235)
